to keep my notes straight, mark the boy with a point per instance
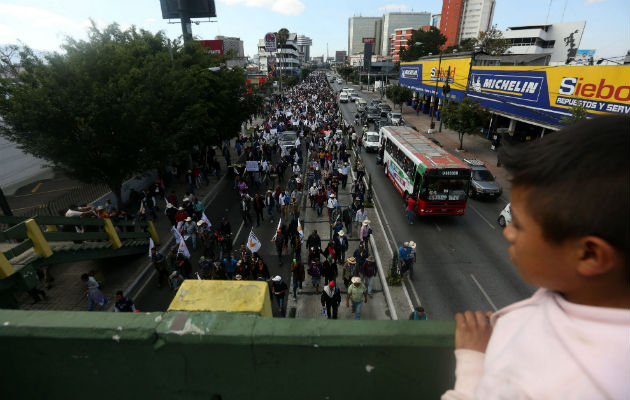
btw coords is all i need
(570, 236)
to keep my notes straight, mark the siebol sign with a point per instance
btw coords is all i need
(594, 95)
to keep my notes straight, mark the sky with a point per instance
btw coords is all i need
(44, 24)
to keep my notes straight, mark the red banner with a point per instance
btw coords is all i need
(212, 46)
(369, 40)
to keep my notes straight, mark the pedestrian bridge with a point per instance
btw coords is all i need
(27, 244)
(205, 347)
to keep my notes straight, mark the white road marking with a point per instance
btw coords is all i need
(415, 295)
(238, 232)
(437, 227)
(482, 217)
(483, 292)
(407, 295)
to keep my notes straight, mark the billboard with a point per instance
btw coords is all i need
(212, 46)
(539, 93)
(270, 42)
(370, 40)
(194, 8)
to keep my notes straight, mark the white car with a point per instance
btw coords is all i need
(354, 98)
(339, 81)
(343, 97)
(505, 217)
(371, 141)
(395, 118)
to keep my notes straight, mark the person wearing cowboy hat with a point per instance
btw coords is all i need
(357, 293)
(190, 228)
(279, 289)
(341, 245)
(181, 215)
(365, 232)
(331, 205)
(412, 258)
(403, 255)
(360, 216)
(171, 211)
(368, 269)
(331, 298)
(348, 270)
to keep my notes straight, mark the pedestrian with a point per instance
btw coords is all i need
(281, 243)
(331, 205)
(369, 270)
(123, 303)
(412, 258)
(159, 263)
(279, 289)
(348, 271)
(170, 213)
(259, 205)
(403, 257)
(346, 217)
(365, 232)
(189, 230)
(175, 280)
(357, 293)
(261, 271)
(298, 275)
(315, 271)
(93, 293)
(331, 298)
(360, 216)
(244, 209)
(329, 270)
(269, 204)
(418, 314)
(230, 266)
(411, 209)
(341, 246)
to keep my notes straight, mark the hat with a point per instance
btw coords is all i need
(341, 233)
(238, 277)
(190, 170)
(202, 258)
(277, 278)
(99, 208)
(185, 199)
(366, 221)
(332, 195)
(312, 167)
(412, 244)
(200, 222)
(370, 259)
(331, 283)
(181, 208)
(406, 244)
(268, 190)
(358, 198)
(356, 279)
(188, 219)
(173, 275)
(352, 260)
(169, 205)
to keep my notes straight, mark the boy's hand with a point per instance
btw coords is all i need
(472, 330)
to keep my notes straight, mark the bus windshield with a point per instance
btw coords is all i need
(442, 189)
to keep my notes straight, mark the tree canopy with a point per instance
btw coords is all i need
(399, 94)
(465, 117)
(431, 42)
(120, 103)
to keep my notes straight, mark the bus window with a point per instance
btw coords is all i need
(440, 189)
(417, 184)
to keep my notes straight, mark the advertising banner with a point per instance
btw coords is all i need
(212, 46)
(369, 40)
(270, 42)
(422, 76)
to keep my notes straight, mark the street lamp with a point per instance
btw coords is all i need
(437, 81)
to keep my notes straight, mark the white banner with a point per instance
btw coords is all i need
(205, 219)
(253, 244)
(300, 231)
(251, 165)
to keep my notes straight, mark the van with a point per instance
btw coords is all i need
(361, 104)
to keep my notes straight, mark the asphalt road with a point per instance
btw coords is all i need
(462, 262)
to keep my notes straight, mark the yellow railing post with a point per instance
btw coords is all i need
(153, 232)
(6, 269)
(40, 245)
(113, 235)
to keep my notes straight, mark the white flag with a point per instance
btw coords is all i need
(151, 245)
(176, 234)
(205, 219)
(276, 233)
(300, 231)
(182, 248)
(253, 244)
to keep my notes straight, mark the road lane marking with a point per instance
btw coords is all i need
(483, 292)
(36, 188)
(48, 191)
(415, 295)
(482, 217)
(407, 295)
(238, 232)
(26, 208)
(437, 227)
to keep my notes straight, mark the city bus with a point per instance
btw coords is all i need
(420, 168)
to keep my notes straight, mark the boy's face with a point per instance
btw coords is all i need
(539, 261)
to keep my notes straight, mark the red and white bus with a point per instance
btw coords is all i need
(418, 167)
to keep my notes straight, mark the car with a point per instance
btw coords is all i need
(354, 98)
(361, 105)
(287, 139)
(384, 107)
(373, 114)
(483, 183)
(395, 118)
(343, 97)
(505, 217)
(383, 122)
(340, 81)
(375, 102)
(371, 141)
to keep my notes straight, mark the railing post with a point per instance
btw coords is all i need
(153, 232)
(113, 235)
(40, 245)
(6, 269)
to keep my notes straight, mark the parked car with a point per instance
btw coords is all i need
(395, 118)
(385, 109)
(375, 103)
(343, 97)
(505, 217)
(483, 183)
(287, 139)
(355, 97)
(373, 114)
(371, 141)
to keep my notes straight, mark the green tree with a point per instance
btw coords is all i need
(119, 104)
(399, 95)
(281, 38)
(465, 117)
(346, 72)
(492, 42)
(578, 113)
(431, 42)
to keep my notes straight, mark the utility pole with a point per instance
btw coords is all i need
(184, 17)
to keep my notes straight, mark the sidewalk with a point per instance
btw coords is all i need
(119, 273)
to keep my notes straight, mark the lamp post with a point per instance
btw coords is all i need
(437, 81)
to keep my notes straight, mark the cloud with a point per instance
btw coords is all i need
(286, 7)
(589, 2)
(394, 7)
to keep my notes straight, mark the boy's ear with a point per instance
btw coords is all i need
(595, 256)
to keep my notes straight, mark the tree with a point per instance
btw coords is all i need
(399, 95)
(118, 104)
(432, 41)
(281, 38)
(346, 72)
(578, 113)
(465, 117)
(492, 42)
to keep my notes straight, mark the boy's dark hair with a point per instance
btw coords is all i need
(119, 292)
(578, 180)
(85, 277)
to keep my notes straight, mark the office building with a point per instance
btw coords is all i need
(396, 20)
(304, 44)
(463, 19)
(285, 59)
(360, 28)
(399, 40)
(340, 56)
(560, 41)
(435, 20)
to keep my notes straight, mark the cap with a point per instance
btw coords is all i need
(331, 284)
(412, 244)
(356, 279)
(277, 278)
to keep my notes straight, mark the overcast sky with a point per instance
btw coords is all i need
(43, 24)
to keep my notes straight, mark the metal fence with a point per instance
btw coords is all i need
(85, 194)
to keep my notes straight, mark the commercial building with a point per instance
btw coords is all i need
(397, 20)
(340, 56)
(435, 20)
(463, 19)
(285, 59)
(304, 44)
(364, 27)
(560, 41)
(399, 40)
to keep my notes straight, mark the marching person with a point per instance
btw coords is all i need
(330, 299)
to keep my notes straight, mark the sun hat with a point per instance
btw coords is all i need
(352, 260)
(181, 208)
(341, 233)
(356, 279)
(406, 244)
(412, 244)
(169, 205)
(366, 222)
(277, 278)
(238, 277)
(200, 222)
(188, 219)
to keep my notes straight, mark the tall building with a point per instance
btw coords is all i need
(435, 20)
(340, 56)
(304, 44)
(560, 41)
(233, 43)
(285, 59)
(463, 19)
(364, 27)
(395, 20)
(399, 40)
